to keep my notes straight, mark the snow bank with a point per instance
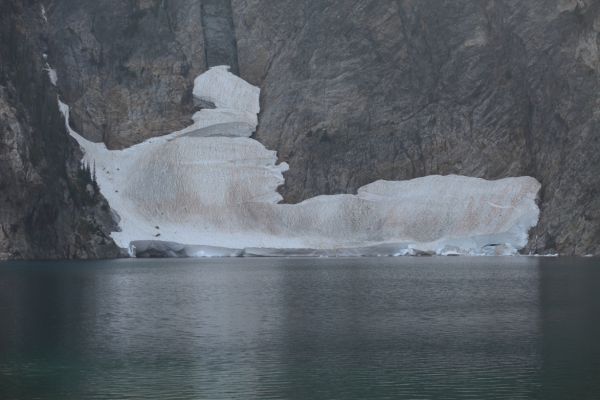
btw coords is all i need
(210, 190)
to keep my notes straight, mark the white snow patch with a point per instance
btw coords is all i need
(43, 11)
(217, 86)
(51, 74)
(50, 71)
(210, 190)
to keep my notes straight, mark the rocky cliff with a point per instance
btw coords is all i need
(359, 90)
(49, 207)
(126, 68)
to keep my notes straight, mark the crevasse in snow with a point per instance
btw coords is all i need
(210, 190)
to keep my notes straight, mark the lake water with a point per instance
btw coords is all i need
(265, 328)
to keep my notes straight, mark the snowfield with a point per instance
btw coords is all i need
(211, 190)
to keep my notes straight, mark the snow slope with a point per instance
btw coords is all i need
(210, 190)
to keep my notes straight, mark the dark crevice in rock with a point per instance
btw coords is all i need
(220, 45)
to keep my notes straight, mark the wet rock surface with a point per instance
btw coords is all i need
(220, 44)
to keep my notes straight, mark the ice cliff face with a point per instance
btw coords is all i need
(209, 189)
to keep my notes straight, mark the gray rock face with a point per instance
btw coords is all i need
(126, 68)
(358, 90)
(47, 209)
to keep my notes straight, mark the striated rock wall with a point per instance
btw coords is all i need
(358, 90)
(126, 67)
(48, 207)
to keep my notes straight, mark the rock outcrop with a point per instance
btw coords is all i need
(126, 67)
(49, 206)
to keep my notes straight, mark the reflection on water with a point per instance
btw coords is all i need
(570, 314)
(301, 328)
